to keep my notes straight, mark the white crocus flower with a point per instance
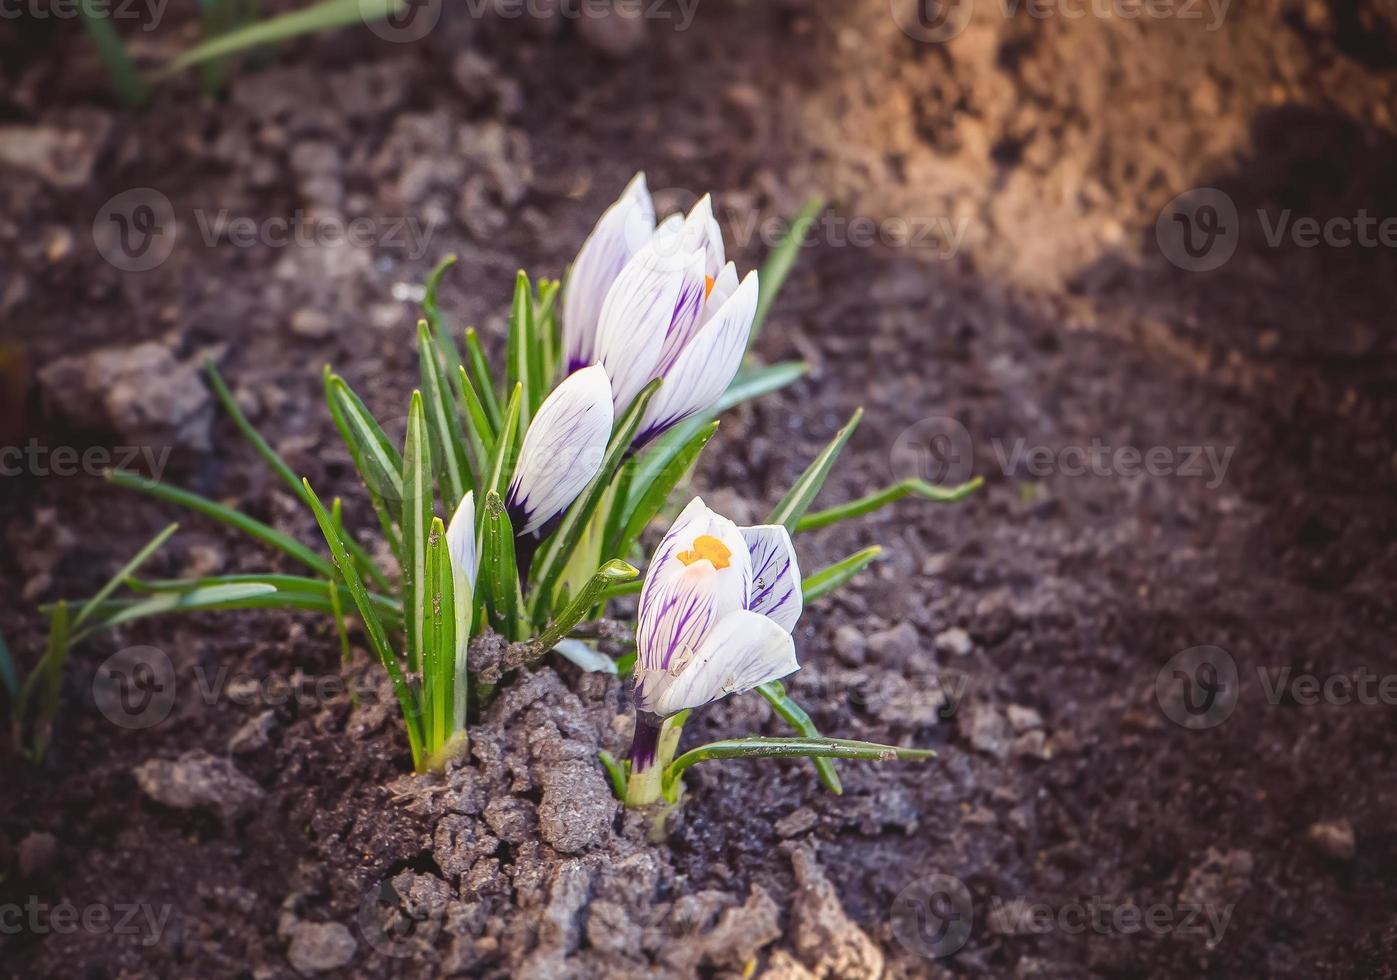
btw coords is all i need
(716, 613)
(619, 233)
(677, 311)
(465, 561)
(562, 450)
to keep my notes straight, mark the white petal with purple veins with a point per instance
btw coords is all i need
(460, 545)
(562, 450)
(620, 232)
(776, 582)
(743, 649)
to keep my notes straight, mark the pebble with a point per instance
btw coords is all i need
(312, 323)
(1023, 719)
(198, 781)
(954, 641)
(898, 643)
(320, 946)
(985, 729)
(850, 646)
(254, 735)
(797, 822)
(1332, 838)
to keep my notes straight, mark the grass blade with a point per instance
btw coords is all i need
(439, 651)
(798, 499)
(505, 450)
(48, 677)
(912, 486)
(416, 524)
(483, 379)
(378, 639)
(127, 570)
(499, 572)
(97, 21)
(250, 526)
(450, 351)
(782, 259)
(796, 716)
(370, 451)
(518, 358)
(479, 431)
(443, 423)
(831, 577)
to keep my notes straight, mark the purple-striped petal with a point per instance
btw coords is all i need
(743, 649)
(776, 581)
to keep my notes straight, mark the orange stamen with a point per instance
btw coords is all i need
(707, 546)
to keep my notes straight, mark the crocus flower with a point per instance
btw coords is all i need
(465, 561)
(562, 451)
(676, 311)
(619, 233)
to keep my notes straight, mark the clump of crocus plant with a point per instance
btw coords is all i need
(520, 496)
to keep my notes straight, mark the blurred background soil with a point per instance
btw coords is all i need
(1026, 161)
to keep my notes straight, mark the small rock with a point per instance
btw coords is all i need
(197, 780)
(320, 946)
(1031, 745)
(254, 735)
(1023, 719)
(898, 643)
(1332, 838)
(828, 941)
(985, 729)
(36, 853)
(798, 821)
(614, 31)
(61, 158)
(513, 820)
(954, 641)
(577, 807)
(312, 323)
(994, 617)
(850, 646)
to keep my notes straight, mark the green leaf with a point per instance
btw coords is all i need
(278, 464)
(450, 352)
(912, 486)
(647, 501)
(782, 259)
(519, 368)
(796, 716)
(443, 423)
(505, 448)
(758, 746)
(439, 650)
(612, 573)
(127, 570)
(296, 591)
(376, 459)
(565, 541)
(751, 382)
(226, 515)
(615, 771)
(483, 379)
(499, 572)
(831, 577)
(378, 639)
(323, 16)
(97, 20)
(48, 677)
(799, 498)
(479, 430)
(416, 524)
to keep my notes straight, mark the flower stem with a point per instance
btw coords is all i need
(643, 786)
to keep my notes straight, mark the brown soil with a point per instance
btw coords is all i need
(1055, 320)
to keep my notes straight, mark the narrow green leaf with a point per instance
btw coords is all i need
(49, 675)
(503, 465)
(323, 16)
(373, 626)
(798, 499)
(443, 423)
(519, 372)
(796, 716)
(565, 540)
(450, 351)
(479, 431)
(782, 259)
(912, 486)
(316, 590)
(832, 577)
(615, 772)
(499, 572)
(612, 573)
(757, 746)
(439, 652)
(226, 515)
(127, 570)
(416, 523)
(649, 500)
(363, 445)
(483, 379)
(378, 462)
(98, 22)
(278, 464)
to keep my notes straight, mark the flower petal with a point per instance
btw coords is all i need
(698, 521)
(653, 293)
(620, 232)
(743, 650)
(460, 545)
(776, 582)
(701, 231)
(562, 450)
(706, 367)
